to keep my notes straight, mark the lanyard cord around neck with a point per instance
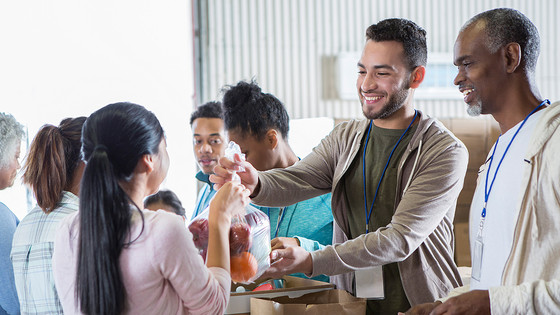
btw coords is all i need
(368, 213)
(486, 189)
(280, 219)
(281, 216)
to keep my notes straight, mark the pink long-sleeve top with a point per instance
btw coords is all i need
(162, 270)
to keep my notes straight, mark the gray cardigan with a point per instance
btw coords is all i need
(420, 236)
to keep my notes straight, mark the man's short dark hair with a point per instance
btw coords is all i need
(253, 112)
(412, 37)
(504, 26)
(208, 110)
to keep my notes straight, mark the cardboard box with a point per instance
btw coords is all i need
(465, 197)
(478, 135)
(240, 303)
(337, 302)
(462, 245)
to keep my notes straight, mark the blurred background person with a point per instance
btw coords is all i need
(53, 170)
(11, 135)
(209, 144)
(165, 200)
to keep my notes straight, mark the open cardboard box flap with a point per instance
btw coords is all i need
(318, 303)
(240, 302)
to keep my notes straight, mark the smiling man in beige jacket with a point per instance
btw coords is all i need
(515, 213)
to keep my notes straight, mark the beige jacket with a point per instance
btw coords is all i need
(531, 277)
(420, 236)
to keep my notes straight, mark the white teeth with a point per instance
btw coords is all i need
(467, 92)
(374, 98)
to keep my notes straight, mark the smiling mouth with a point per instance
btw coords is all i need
(467, 92)
(206, 161)
(372, 98)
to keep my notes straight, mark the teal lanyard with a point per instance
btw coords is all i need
(368, 214)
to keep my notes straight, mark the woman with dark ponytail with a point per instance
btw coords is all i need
(53, 170)
(114, 258)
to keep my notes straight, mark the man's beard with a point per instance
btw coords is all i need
(395, 102)
(474, 110)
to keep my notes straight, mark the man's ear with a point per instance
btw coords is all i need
(417, 76)
(271, 138)
(512, 57)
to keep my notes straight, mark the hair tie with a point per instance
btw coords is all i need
(100, 147)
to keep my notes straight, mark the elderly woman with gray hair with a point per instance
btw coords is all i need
(11, 135)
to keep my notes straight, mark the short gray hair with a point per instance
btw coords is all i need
(504, 26)
(11, 134)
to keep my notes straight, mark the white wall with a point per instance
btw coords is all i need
(291, 46)
(306, 133)
(65, 58)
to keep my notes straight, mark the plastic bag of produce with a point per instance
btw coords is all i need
(249, 243)
(249, 238)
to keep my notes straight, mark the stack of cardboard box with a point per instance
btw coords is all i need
(478, 135)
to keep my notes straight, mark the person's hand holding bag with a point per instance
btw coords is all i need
(233, 166)
(229, 201)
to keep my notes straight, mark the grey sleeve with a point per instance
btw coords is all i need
(308, 178)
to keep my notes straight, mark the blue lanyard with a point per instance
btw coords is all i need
(368, 214)
(486, 190)
(280, 219)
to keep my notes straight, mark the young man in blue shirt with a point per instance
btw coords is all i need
(209, 144)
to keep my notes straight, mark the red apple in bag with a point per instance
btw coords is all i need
(240, 239)
(256, 218)
(199, 230)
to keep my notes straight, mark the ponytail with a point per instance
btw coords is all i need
(52, 159)
(104, 224)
